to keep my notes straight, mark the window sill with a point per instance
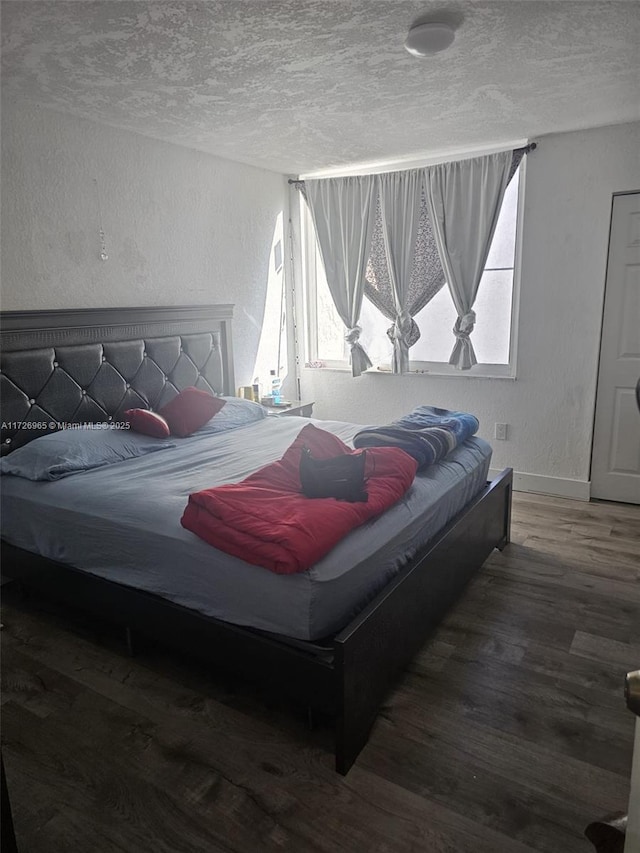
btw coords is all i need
(437, 374)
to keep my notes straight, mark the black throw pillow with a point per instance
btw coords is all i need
(339, 477)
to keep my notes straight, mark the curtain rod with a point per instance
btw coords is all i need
(525, 150)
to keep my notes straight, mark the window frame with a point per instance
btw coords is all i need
(310, 258)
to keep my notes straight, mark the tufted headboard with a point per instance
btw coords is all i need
(89, 365)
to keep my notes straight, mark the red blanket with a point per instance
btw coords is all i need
(266, 520)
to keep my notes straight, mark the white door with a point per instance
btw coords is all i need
(615, 463)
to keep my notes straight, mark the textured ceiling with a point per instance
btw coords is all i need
(304, 85)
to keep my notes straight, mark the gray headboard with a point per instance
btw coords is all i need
(89, 365)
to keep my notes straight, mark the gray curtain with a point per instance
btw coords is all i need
(342, 210)
(400, 194)
(464, 200)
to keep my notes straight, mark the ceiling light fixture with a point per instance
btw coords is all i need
(426, 39)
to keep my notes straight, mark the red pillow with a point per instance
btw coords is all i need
(190, 410)
(147, 423)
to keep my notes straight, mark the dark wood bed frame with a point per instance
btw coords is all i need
(363, 659)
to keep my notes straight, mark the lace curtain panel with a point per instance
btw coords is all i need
(426, 279)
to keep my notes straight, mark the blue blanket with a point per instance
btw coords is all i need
(426, 433)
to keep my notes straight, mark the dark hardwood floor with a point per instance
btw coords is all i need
(508, 732)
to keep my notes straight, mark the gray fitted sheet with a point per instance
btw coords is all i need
(122, 522)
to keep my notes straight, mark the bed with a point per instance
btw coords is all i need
(332, 638)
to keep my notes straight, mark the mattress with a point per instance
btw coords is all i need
(122, 522)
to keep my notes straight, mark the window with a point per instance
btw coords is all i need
(272, 347)
(492, 337)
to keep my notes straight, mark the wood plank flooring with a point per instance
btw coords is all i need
(508, 732)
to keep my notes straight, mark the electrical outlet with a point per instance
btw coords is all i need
(501, 432)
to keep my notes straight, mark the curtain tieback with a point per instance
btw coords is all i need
(402, 327)
(360, 361)
(464, 325)
(352, 335)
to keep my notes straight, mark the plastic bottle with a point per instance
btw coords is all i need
(275, 388)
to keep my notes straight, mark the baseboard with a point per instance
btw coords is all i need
(579, 490)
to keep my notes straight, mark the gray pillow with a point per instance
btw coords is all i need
(71, 451)
(235, 413)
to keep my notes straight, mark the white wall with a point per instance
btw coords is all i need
(549, 408)
(182, 227)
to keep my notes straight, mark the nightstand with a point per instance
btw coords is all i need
(300, 408)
